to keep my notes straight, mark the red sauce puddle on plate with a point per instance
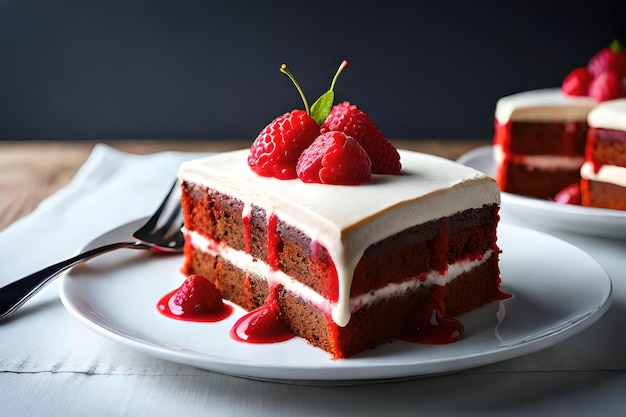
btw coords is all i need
(261, 325)
(196, 300)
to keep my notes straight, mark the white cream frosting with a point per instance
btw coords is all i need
(608, 173)
(546, 105)
(346, 219)
(543, 162)
(260, 269)
(609, 115)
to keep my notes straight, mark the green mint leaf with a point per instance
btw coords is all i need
(321, 108)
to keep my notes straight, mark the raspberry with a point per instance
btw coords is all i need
(275, 152)
(609, 58)
(197, 295)
(335, 158)
(576, 83)
(354, 122)
(607, 86)
(601, 62)
(569, 195)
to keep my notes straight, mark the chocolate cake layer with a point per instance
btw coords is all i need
(542, 138)
(405, 255)
(537, 183)
(377, 323)
(607, 146)
(603, 195)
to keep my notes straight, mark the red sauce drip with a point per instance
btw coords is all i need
(261, 325)
(332, 280)
(501, 296)
(590, 146)
(247, 234)
(502, 137)
(315, 250)
(196, 300)
(584, 191)
(430, 326)
(332, 286)
(273, 242)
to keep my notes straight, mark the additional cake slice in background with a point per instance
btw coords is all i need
(539, 141)
(603, 182)
(540, 135)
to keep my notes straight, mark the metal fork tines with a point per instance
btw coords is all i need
(162, 232)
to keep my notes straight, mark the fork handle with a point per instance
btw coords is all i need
(13, 295)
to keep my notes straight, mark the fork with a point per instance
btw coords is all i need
(161, 233)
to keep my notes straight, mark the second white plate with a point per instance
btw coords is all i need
(558, 290)
(534, 212)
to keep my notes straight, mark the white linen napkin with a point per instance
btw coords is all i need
(110, 189)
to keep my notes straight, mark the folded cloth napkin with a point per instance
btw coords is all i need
(110, 189)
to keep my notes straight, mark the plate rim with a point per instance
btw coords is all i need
(546, 215)
(484, 151)
(339, 374)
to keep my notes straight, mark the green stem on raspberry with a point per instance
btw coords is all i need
(344, 64)
(617, 46)
(284, 70)
(322, 106)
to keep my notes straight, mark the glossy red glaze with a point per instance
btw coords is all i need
(429, 326)
(261, 326)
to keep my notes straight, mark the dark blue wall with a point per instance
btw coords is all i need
(80, 69)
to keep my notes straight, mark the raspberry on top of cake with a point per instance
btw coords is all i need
(603, 182)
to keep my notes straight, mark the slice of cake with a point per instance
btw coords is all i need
(603, 181)
(349, 267)
(540, 135)
(539, 141)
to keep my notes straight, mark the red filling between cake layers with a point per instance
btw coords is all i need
(250, 256)
(538, 159)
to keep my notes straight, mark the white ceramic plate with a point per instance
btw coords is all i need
(558, 290)
(544, 213)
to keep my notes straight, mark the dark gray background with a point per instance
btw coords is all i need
(72, 69)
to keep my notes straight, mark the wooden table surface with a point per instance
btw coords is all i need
(31, 171)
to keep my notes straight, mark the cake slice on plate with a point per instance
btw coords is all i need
(324, 230)
(603, 182)
(539, 141)
(348, 266)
